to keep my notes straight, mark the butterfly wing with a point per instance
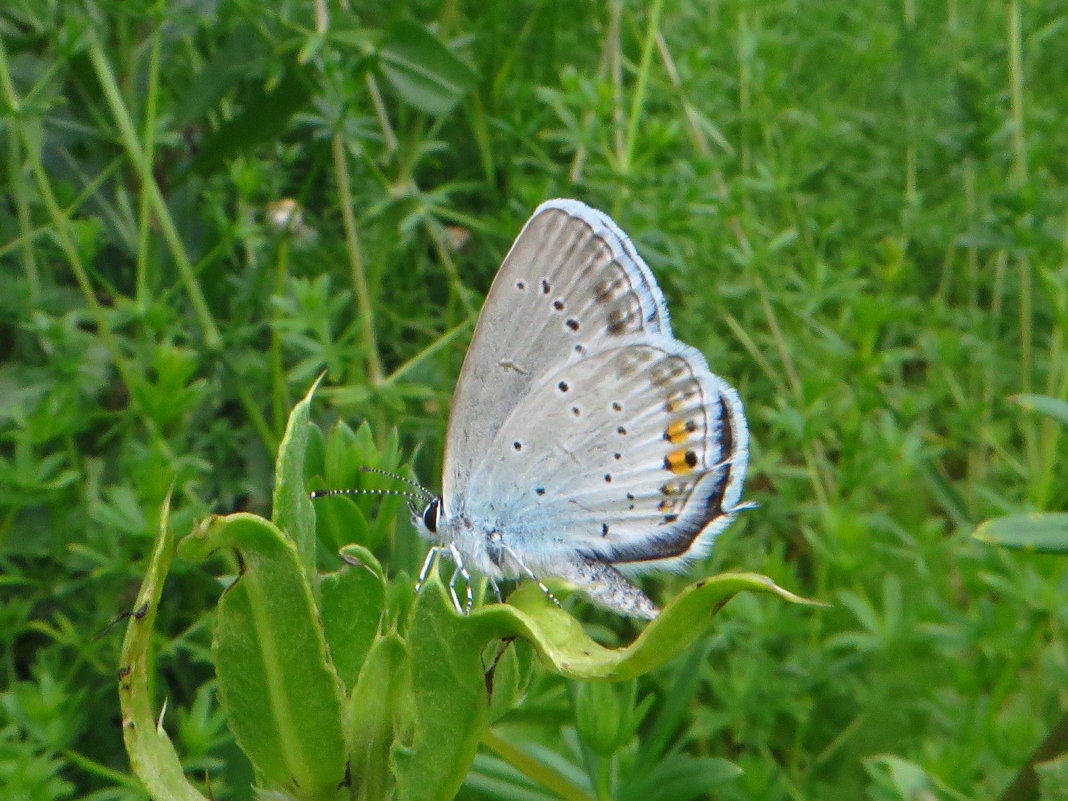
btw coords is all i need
(571, 283)
(633, 455)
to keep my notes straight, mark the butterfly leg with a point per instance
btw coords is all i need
(424, 571)
(526, 570)
(609, 588)
(460, 571)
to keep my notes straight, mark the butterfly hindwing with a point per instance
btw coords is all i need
(633, 455)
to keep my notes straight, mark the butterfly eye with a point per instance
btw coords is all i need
(430, 516)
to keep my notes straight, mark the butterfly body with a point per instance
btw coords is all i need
(584, 439)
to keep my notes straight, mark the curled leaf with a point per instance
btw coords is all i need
(152, 755)
(564, 646)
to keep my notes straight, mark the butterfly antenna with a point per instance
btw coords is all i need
(423, 490)
(411, 496)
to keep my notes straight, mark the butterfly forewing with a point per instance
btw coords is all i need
(634, 454)
(571, 284)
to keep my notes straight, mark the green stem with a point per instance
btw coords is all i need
(31, 235)
(638, 98)
(22, 209)
(63, 234)
(533, 768)
(91, 766)
(615, 70)
(389, 138)
(910, 117)
(428, 351)
(1016, 98)
(148, 136)
(128, 137)
(442, 250)
(352, 246)
(254, 411)
(744, 101)
(1018, 179)
(604, 778)
(279, 396)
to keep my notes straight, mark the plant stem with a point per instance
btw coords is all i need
(637, 100)
(615, 68)
(533, 768)
(352, 247)
(1016, 99)
(389, 138)
(128, 137)
(1018, 180)
(22, 206)
(148, 135)
(63, 235)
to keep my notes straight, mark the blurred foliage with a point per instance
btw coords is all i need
(856, 212)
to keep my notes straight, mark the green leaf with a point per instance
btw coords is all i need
(509, 774)
(365, 518)
(423, 71)
(605, 714)
(448, 705)
(340, 462)
(681, 777)
(243, 52)
(341, 522)
(509, 671)
(363, 446)
(169, 389)
(264, 117)
(152, 755)
(1045, 532)
(351, 604)
(281, 694)
(292, 511)
(1052, 407)
(449, 710)
(672, 708)
(370, 716)
(564, 646)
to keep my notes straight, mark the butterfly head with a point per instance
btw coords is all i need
(426, 520)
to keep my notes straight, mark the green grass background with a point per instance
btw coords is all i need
(856, 211)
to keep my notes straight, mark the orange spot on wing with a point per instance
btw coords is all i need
(680, 461)
(679, 430)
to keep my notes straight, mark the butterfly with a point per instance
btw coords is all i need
(584, 441)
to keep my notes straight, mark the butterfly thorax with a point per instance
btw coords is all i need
(487, 545)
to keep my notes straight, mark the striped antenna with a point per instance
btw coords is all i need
(423, 490)
(323, 493)
(413, 499)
